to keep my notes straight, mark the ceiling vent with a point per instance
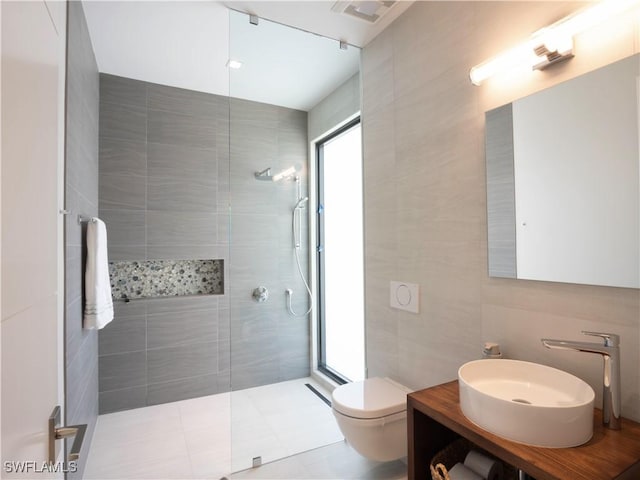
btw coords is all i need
(369, 11)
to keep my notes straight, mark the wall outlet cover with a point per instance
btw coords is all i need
(404, 296)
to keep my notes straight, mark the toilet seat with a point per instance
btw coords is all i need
(371, 398)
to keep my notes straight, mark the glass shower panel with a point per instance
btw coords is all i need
(277, 75)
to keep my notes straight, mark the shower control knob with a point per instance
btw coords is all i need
(260, 294)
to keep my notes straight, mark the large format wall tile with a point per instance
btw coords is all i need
(74, 271)
(178, 129)
(183, 304)
(294, 354)
(121, 90)
(166, 181)
(81, 373)
(186, 102)
(88, 410)
(123, 370)
(123, 122)
(125, 252)
(181, 228)
(249, 376)
(343, 103)
(248, 113)
(122, 157)
(172, 193)
(126, 334)
(182, 328)
(172, 363)
(124, 399)
(182, 161)
(74, 334)
(82, 143)
(125, 228)
(81, 197)
(186, 252)
(123, 192)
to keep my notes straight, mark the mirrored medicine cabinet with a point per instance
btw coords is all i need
(563, 181)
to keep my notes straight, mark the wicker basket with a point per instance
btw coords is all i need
(456, 452)
(446, 458)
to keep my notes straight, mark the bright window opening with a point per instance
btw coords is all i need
(340, 254)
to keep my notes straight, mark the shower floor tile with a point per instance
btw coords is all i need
(331, 462)
(209, 437)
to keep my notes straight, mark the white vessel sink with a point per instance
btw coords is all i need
(527, 402)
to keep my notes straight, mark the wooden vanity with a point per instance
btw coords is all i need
(434, 419)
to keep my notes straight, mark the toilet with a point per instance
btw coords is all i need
(372, 415)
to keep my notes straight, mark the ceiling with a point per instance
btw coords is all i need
(317, 16)
(286, 66)
(187, 44)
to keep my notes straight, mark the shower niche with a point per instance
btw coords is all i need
(165, 278)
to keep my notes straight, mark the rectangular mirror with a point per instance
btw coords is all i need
(563, 181)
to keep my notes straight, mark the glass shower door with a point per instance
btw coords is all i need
(272, 406)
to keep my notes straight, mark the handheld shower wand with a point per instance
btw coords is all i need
(299, 206)
(301, 202)
(297, 213)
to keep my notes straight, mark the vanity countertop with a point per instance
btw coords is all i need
(436, 411)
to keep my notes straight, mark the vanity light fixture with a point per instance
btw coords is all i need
(551, 44)
(537, 53)
(235, 64)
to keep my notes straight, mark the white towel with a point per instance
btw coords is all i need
(98, 305)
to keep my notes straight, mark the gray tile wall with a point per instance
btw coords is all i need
(159, 198)
(81, 197)
(267, 344)
(425, 202)
(335, 108)
(165, 183)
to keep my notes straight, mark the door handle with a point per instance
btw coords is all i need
(56, 432)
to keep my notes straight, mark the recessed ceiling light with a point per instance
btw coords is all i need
(235, 64)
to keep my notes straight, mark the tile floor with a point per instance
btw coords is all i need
(191, 439)
(337, 461)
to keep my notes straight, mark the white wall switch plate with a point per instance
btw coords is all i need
(404, 296)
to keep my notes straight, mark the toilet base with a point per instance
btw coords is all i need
(380, 439)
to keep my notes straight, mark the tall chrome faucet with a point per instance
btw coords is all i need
(610, 352)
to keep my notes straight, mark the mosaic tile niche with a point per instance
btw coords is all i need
(166, 278)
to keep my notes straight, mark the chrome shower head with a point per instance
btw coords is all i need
(283, 175)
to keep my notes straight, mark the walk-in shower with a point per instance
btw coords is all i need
(216, 187)
(273, 121)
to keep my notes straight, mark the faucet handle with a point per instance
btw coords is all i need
(610, 339)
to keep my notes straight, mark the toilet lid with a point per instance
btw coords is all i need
(371, 398)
